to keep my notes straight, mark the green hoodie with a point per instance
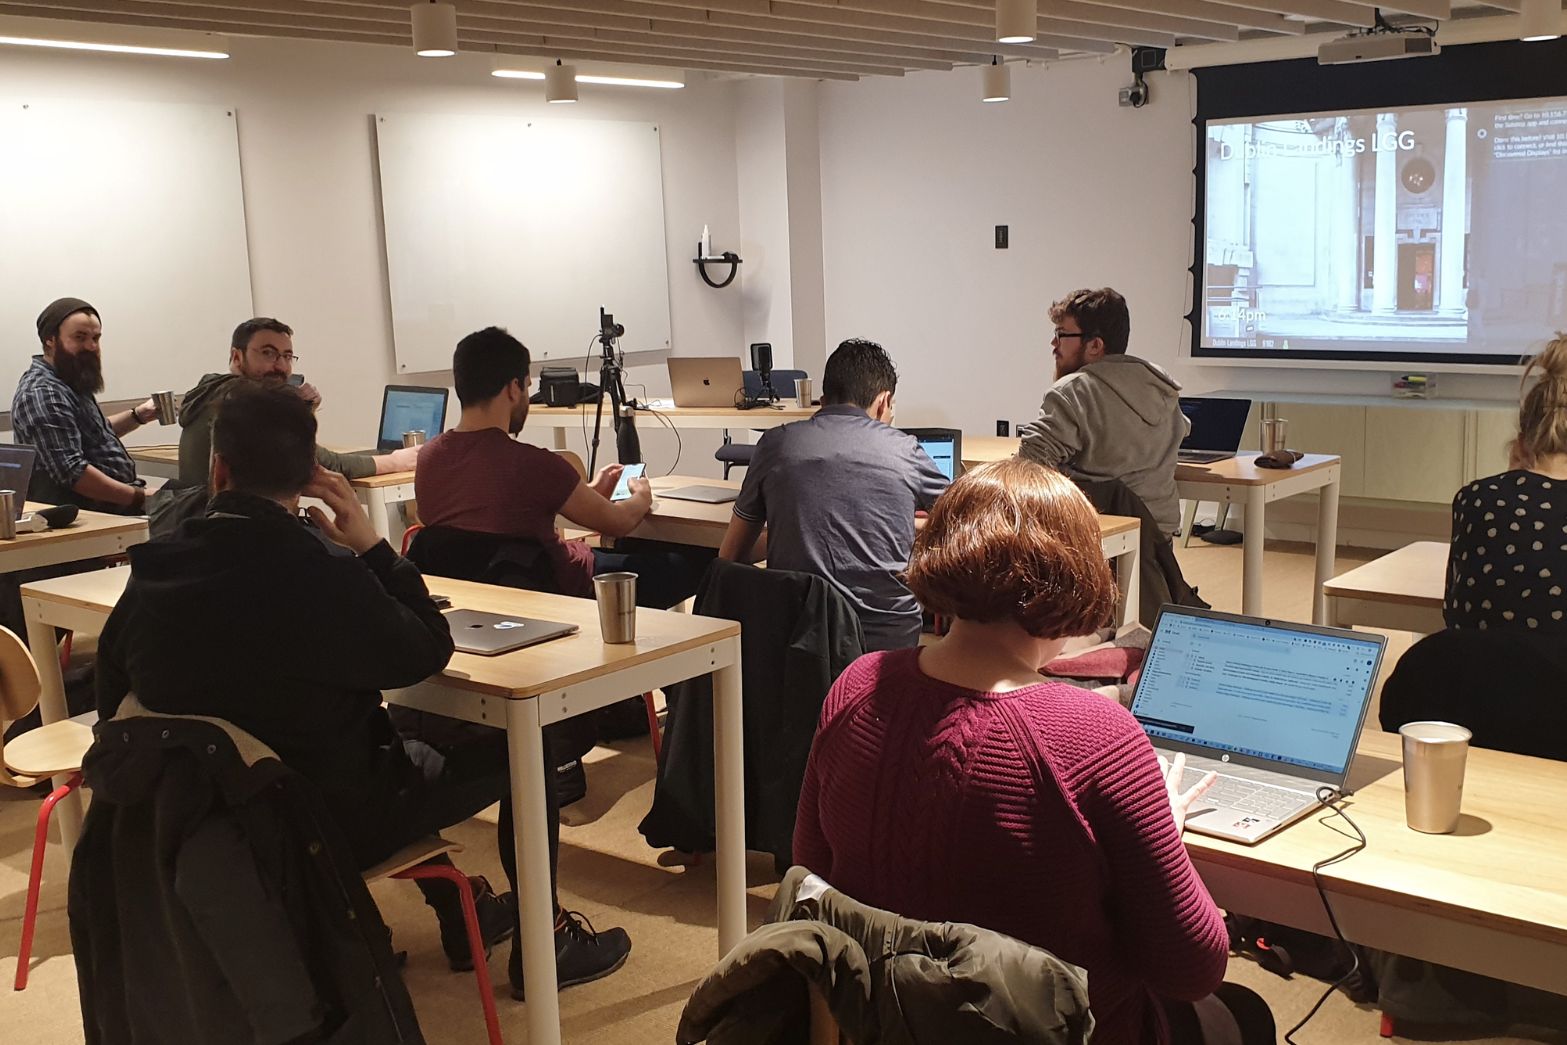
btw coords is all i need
(198, 409)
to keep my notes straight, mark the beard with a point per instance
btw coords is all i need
(83, 372)
(519, 417)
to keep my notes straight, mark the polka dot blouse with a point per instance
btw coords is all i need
(1508, 564)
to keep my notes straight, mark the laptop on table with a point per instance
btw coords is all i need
(409, 408)
(1217, 425)
(705, 381)
(1274, 708)
(490, 634)
(944, 446)
(16, 473)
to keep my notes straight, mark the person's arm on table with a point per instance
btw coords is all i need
(388, 601)
(589, 506)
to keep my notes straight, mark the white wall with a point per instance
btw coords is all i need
(308, 163)
(916, 173)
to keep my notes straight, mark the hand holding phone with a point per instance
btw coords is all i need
(623, 488)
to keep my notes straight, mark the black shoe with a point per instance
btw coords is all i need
(571, 783)
(581, 955)
(497, 922)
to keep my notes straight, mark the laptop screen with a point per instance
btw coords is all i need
(940, 450)
(1217, 424)
(1275, 692)
(409, 410)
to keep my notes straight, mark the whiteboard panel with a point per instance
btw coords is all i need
(527, 224)
(136, 208)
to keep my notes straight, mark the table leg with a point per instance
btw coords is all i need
(525, 748)
(1327, 548)
(1188, 520)
(375, 506)
(1129, 578)
(52, 708)
(1251, 560)
(729, 792)
(560, 437)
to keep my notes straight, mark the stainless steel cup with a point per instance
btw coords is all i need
(802, 390)
(414, 437)
(7, 514)
(164, 401)
(1434, 757)
(617, 599)
(1275, 435)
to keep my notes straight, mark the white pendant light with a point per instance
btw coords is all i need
(1017, 21)
(997, 81)
(435, 29)
(1540, 20)
(560, 83)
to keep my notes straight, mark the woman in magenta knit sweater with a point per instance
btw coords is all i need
(953, 783)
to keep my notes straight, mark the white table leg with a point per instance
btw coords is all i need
(1188, 520)
(1327, 548)
(559, 436)
(52, 708)
(729, 792)
(1251, 561)
(1129, 578)
(375, 507)
(525, 748)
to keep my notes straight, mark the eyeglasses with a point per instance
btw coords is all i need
(1062, 335)
(272, 355)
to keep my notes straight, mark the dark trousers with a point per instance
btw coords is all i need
(462, 769)
(1252, 1020)
(667, 574)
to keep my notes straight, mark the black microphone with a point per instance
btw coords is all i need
(762, 363)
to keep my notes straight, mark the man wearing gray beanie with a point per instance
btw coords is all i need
(80, 457)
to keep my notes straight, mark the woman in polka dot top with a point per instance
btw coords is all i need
(1508, 563)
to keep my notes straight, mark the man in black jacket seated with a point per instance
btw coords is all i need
(252, 616)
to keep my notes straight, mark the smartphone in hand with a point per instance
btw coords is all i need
(623, 488)
(295, 380)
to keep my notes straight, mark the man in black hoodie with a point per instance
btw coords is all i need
(248, 615)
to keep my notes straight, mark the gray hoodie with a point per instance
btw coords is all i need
(1119, 418)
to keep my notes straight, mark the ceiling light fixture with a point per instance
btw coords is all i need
(53, 33)
(1539, 20)
(610, 81)
(85, 45)
(560, 83)
(1017, 21)
(435, 29)
(996, 81)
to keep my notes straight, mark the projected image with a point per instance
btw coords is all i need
(1429, 231)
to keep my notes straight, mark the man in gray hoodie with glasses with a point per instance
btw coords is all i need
(1109, 415)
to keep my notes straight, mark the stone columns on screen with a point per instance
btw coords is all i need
(1346, 226)
(1455, 214)
(1384, 290)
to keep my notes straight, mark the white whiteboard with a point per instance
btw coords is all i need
(527, 224)
(136, 208)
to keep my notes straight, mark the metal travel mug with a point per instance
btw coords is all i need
(1434, 756)
(617, 599)
(1275, 435)
(414, 437)
(7, 514)
(164, 401)
(802, 389)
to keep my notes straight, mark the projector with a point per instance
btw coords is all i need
(1377, 47)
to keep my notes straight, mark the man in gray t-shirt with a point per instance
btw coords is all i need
(837, 494)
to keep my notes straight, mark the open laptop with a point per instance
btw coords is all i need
(944, 446)
(1217, 425)
(489, 634)
(705, 381)
(1274, 708)
(409, 408)
(16, 472)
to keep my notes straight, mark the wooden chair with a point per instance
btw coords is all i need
(52, 750)
(411, 864)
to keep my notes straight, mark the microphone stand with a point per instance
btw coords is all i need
(628, 445)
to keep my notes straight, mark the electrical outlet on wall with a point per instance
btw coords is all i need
(1001, 237)
(1003, 428)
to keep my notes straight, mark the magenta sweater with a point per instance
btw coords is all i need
(1038, 813)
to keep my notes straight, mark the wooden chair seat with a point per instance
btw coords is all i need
(411, 855)
(53, 749)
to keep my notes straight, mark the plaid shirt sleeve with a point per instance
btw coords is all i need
(44, 416)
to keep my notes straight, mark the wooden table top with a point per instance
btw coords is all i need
(169, 454)
(87, 524)
(982, 449)
(1502, 868)
(1243, 471)
(788, 410)
(519, 674)
(1414, 575)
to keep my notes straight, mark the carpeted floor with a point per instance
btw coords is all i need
(609, 875)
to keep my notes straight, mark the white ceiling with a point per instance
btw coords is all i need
(831, 39)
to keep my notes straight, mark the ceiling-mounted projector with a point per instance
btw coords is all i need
(1378, 47)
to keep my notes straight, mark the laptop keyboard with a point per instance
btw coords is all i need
(1246, 795)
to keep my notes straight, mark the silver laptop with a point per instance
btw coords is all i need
(1274, 708)
(16, 473)
(704, 494)
(705, 381)
(489, 634)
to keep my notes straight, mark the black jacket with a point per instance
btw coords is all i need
(212, 899)
(247, 615)
(1159, 573)
(797, 635)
